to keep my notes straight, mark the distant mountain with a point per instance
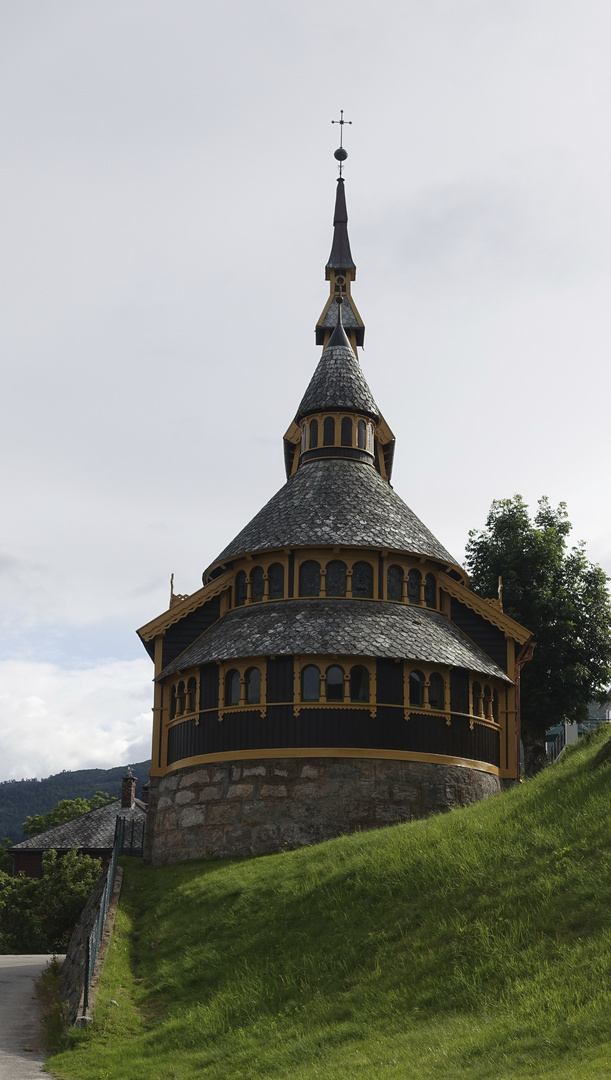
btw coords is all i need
(19, 798)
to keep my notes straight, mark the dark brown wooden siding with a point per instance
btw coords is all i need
(489, 638)
(341, 728)
(280, 679)
(208, 686)
(459, 690)
(389, 676)
(182, 634)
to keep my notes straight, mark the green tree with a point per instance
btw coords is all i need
(64, 810)
(39, 914)
(6, 862)
(561, 597)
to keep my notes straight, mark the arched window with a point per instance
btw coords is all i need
(346, 431)
(362, 579)
(310, 683)
(313, 434)
(172, 703)
(240, 588)
(477, 699)
(191, 695)
(394, 582)
(359, 683)
(430, 590)
(370, 438)
(258, 585)
(276, 581)
(180, 699)
(413, 586)
(309, 578)
(336, 578)
(253, 686)
(361, 429)
(416, 688)
(232, 687)
(436, 691)
(304, 436)
(328, 431)
(334, 689)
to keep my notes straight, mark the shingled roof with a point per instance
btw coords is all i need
(93, 831)
(332, 501)
(345, 627)
(338, 383)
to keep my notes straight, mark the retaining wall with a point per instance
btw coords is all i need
(262, 806)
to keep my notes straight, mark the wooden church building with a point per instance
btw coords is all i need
(334, 672)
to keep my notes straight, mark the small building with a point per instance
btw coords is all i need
(91, 834)
(335, 672)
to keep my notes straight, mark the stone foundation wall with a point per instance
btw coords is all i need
(262, 806)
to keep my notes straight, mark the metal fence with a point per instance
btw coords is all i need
(129, 839)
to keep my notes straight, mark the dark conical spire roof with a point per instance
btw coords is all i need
(338, 382)
(341, 256)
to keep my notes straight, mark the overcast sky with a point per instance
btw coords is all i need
(167, 182)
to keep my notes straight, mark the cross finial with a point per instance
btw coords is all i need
(340, 153)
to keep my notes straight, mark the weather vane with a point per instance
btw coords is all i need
(341, 154)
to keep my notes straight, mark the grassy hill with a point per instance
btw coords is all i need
(472, 945)
(20, 798)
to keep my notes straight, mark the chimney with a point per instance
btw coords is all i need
(128, 790)
(146, 788)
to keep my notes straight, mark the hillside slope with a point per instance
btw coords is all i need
(474, 944)
(20, 798)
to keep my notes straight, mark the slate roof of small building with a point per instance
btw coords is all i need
(93, 831)
(338, 383)
(345, 627)
(333, 501)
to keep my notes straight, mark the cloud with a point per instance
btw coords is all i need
(52, 718)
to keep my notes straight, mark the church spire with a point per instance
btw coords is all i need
(341, 256)
(340, 270)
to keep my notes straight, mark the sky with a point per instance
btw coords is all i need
(168, 182)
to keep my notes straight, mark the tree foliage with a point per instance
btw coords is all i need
(561, 597)
(64, 810)
(37, 915)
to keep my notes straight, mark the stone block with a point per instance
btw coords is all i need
(191, 815)
(404, 792)
(170, 782)
(307, 790)
(195, 776)
(164, 803)
(236, 772)
(210, 792)
(254, 813)
(184, 796)
(239, 791)
(309, 772)
(340, 769)
(254, 770)
(273, 791)
(220, 774)
(221, 814)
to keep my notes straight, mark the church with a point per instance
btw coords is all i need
(334, 672)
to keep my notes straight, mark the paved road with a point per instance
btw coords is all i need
(21, 1054)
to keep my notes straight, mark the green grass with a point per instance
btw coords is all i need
(475, 945)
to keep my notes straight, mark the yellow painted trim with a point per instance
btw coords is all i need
(329, 751)
(488, 611)
(185, 607)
